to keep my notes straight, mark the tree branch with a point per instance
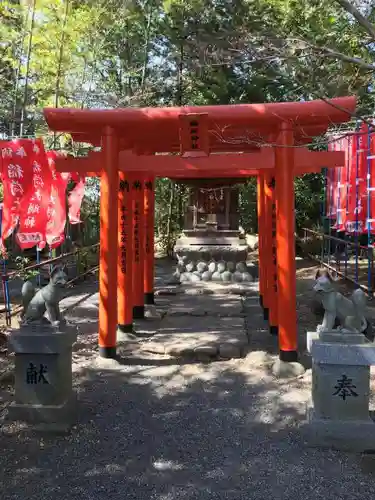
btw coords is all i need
(363, 21)
(339, 55)
(304, 44)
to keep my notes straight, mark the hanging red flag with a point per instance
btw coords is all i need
(17, 176)
(55, 234)
(340, 190)
(75, 200)
(371, 182)
(356, 208)
(34, 206)
(346, 146)
(332, 182)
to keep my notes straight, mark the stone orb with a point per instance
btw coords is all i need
(241, 267)
(247, 277)
(212, 266)
(221, 266)
(201, 267)
(190, 266)
(237, 277)
(252, 269)
(231, 266)
(195, 277)
(216, 276)
(226, 276)
(185, 277)
(175, 279)
(206, 276)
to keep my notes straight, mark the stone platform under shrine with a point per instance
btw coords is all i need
(211, 247)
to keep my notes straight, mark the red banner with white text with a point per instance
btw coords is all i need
(35, 203)
(341, 184)
(347, 192)
(17, 176)
(357, 194)
(55, 233)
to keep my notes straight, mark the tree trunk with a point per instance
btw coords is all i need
(60, 63)
(18, 73)
(362, 20)
(170, 213)
(180, 82)
(147, 45)
(28, 57)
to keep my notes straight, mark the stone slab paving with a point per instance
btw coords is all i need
(192, 324)
(201, 325)
(202, 321)
(199, 337)
(206, 305)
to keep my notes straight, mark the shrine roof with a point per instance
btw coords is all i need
(237, 127)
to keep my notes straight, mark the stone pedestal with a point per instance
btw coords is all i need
(212, 256)
(43, 376)
(334, 336)
(338, 415)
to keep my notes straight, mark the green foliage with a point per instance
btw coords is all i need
(22, 263)
(170, 206)
(248, 205)
(111, 53)
(309, 191)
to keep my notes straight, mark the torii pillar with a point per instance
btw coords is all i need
(149, 209)
(125, 257)
(138, 191)
(271, 250)
(263, 268)
(285, 243)
(109, 183)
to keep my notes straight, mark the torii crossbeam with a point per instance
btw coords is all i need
(249, 164)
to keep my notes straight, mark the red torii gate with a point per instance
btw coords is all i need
(130, 138)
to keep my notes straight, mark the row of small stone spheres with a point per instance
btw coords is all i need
(227, 272)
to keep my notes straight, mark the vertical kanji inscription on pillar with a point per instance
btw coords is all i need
(124, 225)
(148, 187)
(137, 186)
(272, 185)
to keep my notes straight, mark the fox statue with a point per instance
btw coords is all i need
(348, 312)
(37, 303)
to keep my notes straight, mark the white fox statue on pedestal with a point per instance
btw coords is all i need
(350, 312)
(37, 303)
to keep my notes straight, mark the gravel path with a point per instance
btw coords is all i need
(151, 429)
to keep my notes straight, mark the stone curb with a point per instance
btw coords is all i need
(197, 290)
(201, 353)
(205, 313)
